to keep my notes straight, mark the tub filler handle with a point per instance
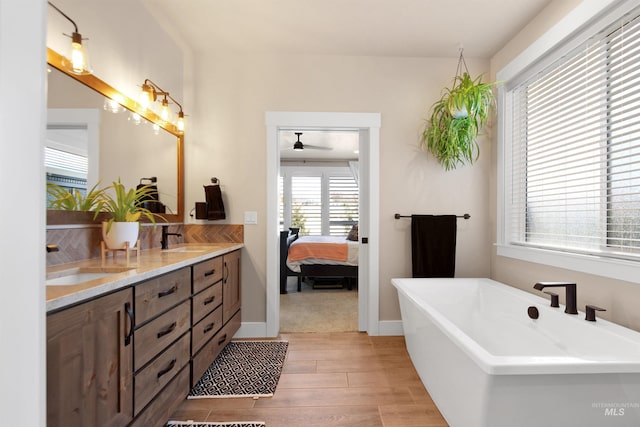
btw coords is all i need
(590, 311)
(570, 298)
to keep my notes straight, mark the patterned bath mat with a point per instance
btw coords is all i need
(243, 369)
(199, 424)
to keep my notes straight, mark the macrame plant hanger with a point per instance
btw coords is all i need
(461, 63)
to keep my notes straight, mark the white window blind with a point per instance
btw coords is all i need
(343, 204)
(574, 182)
(306, 204)
(64, 162)
(319, 200)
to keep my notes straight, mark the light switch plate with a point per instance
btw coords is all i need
(251, 217)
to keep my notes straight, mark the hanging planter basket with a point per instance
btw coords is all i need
(456, 119)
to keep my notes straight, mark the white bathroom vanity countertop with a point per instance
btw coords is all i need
(153, 262)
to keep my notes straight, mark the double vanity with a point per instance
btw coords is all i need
(125, 344)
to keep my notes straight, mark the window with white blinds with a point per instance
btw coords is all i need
(319, 201)
(343, 204)
(573, 161)
(306, 204)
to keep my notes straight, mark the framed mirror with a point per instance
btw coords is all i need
(127, 143)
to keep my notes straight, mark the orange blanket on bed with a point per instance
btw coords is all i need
(329, 251)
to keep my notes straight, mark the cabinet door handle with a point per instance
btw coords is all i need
(226, 272)
(222, 339)
(208, 328)
(167, 330)
(170, 291)
(209, 300)
(168, 368)
(209, 273)
(130, 315)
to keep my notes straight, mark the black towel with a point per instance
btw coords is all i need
(433, 245)
(215, 206)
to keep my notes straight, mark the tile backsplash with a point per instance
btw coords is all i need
(78, 243)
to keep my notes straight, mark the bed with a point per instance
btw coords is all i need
(317, 257)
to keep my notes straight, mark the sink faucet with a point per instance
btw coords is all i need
(165, 236)
(570, 289)
(52, 248)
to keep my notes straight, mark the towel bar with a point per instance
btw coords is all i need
(398, 216)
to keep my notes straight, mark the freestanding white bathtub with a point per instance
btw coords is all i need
(486, 363)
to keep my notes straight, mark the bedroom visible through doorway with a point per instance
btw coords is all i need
(319, 201)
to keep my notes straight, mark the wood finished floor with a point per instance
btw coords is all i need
(333, 379)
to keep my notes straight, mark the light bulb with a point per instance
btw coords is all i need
(180, 122)
(114, 105)
(164, 110)
(147, 96)
(135, 118)
(79, 57)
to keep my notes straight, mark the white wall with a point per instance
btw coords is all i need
(22, 118)
(228, 140)
(621, 299)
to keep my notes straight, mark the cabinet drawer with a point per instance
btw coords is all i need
(156, 295)
(158, 373)
(165, 404)
(211, 349)
(206, 273)
(153, 337)
(206, 301)
(205, 330)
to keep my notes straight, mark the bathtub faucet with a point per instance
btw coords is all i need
(570, 288)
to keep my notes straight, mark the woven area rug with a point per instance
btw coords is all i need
(243, 369)
(199, 424)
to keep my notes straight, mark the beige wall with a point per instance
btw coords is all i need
(228, 141)
(620, 299)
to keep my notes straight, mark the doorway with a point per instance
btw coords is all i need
(319, 198)
(368, 127)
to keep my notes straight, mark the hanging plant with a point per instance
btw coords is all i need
(457, 118)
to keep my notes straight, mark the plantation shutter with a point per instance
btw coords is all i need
(575, 149)
(343, 204)
(65, 163)
(306, 204)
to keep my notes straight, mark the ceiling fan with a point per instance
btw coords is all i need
(299, 146)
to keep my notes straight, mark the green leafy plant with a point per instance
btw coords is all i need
(125, 205)
(61, 198)
(456, 120)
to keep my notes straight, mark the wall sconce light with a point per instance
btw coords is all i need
(151, 92)
(79, 58)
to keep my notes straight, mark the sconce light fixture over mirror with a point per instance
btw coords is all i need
(123, 133)
(78, 61)
(151, 93)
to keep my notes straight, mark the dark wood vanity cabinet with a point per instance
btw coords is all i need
(129, 358)
(90, 363)
(216, 309)
(231, 285)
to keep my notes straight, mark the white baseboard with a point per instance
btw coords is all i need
(259, 329)
(252, 330)
(390, 328)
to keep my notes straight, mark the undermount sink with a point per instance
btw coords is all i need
(81, 275)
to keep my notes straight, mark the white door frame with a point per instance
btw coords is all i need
(369, 126)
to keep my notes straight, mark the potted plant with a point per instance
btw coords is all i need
(456, 119)
(125, 210)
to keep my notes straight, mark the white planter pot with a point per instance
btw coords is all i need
(120, 233)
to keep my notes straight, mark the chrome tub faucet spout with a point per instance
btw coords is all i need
(570, 289)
